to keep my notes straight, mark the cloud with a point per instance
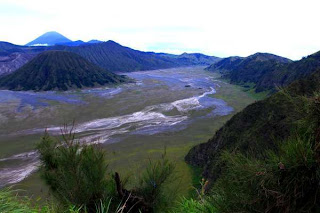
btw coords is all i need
(222, 28)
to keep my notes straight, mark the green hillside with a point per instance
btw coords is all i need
(257, 128)
(58, 70)
(265, 71)
(250, 69)
(284, 75)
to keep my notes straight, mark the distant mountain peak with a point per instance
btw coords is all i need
(49, 39)
(51, 33)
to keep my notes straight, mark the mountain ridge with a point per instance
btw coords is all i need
(108, 55)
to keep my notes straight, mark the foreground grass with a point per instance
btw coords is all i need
(10, 203)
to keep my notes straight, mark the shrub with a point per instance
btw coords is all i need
(76, 173)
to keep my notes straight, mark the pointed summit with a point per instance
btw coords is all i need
(49, 39)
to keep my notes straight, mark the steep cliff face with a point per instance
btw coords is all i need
(13, 62)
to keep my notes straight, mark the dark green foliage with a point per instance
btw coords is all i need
(257, 127)
(286, 181)
(76, 174)
(281, 178)
(77, 177)
(58, 70)
(266, 158)
(156, 184)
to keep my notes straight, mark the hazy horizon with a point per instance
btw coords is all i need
(228, 28)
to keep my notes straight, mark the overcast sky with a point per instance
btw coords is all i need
(222, 28)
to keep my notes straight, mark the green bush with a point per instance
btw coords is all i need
(78, 178)
(76, 173)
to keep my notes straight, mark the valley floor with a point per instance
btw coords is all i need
(173, 109)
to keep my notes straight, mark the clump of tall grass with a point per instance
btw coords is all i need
(200, 204)
(203, 205)
(9, 202)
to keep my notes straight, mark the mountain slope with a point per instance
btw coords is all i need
(12, 57)
(108, 55)
(250, 69)
(13, 62)
(58, 70)
(266, 71)
(257, 128)
(49, 39)
(114, 57)
(284, 75)
(225, 64)
(197, 58)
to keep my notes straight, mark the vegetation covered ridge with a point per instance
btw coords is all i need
(59, 70)
(266, 71)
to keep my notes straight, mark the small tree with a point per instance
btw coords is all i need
(156, 182)
(76, 173)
